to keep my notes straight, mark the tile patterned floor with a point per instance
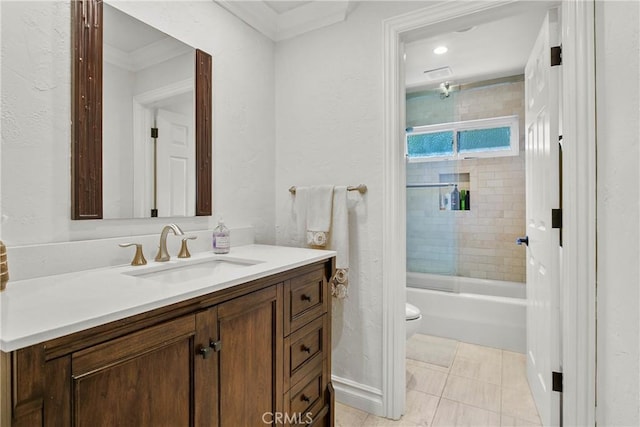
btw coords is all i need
(450, 383)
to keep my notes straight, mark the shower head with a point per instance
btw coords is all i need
(445, 89)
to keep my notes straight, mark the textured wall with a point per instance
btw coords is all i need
(618, 212)
(480, 242)
(36, 120)
(329, 131)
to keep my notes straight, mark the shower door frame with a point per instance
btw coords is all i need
(578, 260)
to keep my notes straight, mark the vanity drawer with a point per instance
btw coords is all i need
(313, 417)
(320, 417)
(306, 299)
(308, 396)
(302, 348)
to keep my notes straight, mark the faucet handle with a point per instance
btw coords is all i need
(138, 258)
(184, 250)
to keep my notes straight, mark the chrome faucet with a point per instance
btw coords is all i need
(163, 254)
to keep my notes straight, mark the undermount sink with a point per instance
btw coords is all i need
(200, 269)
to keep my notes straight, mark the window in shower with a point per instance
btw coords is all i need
(493, 137)
(430, 144)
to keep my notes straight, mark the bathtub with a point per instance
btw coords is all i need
(485, 312)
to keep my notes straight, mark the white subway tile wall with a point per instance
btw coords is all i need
(479, 242)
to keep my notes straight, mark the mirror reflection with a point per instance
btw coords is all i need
(148, 120)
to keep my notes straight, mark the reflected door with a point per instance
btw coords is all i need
(175, 165)
(542, 178)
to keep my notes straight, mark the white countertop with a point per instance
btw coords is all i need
(43, 308)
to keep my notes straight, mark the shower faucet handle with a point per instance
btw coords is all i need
(523, 240)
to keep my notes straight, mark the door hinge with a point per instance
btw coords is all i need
(556, 218)
(154, 132)
(556, 56)
(556, 380)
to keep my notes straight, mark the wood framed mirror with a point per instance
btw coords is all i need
(87, 117)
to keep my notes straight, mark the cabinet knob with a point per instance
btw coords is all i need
(215, 345)
(305, 297)
(305, 398)
(305, 349)
(205, 352)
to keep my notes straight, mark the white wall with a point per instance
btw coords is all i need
(329, 131)
(618, 213)
(117, 142)
(36, 120)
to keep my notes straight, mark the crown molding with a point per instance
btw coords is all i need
(256, 14)
(277, 27)
(146, 56)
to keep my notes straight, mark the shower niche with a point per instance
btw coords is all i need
(455, 192)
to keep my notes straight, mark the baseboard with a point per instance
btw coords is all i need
(359, 396)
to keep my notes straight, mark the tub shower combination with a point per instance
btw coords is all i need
(485, 312)
(453, 305)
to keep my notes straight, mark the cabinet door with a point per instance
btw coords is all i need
(142, 379)
(250, 358)
(205, 369)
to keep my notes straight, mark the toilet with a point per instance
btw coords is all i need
(413, 319)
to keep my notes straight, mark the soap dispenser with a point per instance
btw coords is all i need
(221, 238)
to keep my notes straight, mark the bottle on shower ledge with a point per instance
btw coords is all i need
(221, 238)
(455, 199)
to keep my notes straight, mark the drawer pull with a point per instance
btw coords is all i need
(305, 398)
(305, 297)
(305, 349)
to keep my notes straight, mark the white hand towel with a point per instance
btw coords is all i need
(339, 242)
(319, 207)
(296, 228)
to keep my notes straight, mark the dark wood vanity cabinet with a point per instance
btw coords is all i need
(255, 354)
(250, 361)
(307, 357)
(143, 378)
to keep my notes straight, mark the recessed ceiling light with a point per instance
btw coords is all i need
(440, 50)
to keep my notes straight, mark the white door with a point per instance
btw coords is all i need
(176, 165)
(542, 86)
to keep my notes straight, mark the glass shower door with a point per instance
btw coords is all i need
(432, 242)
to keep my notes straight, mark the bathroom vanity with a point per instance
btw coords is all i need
(244, 340)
